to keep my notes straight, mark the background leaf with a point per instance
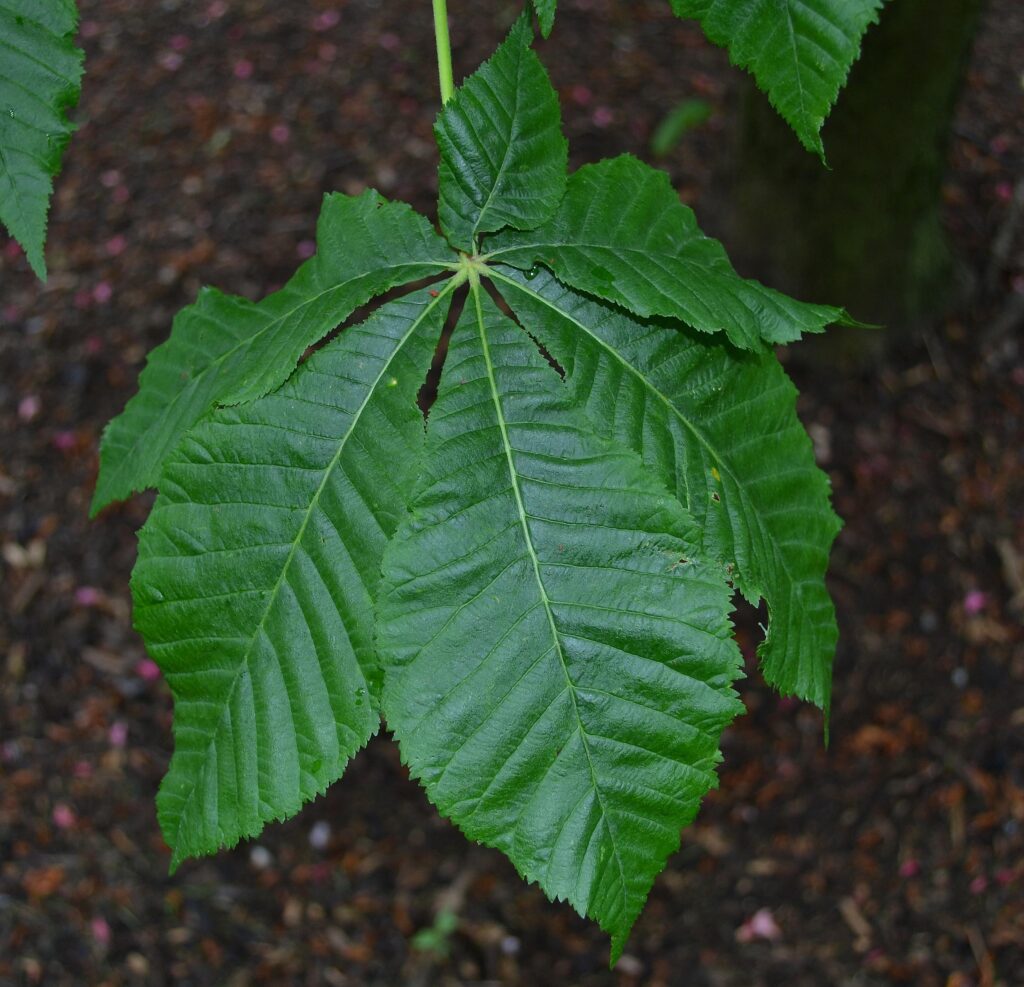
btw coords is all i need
(720, 428)
(556, 675)
(226, 350)
(257, 572)
(799, 51)
(40, 80)
(622, 234)
(682, 118)
(503, 156)
(545, 14)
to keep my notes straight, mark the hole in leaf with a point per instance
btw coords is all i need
(507, 310)
(364, 311)
(428, 392)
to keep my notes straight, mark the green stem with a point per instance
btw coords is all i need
(444, 50)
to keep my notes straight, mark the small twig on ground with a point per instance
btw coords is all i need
(1002, 242)
(986, 968)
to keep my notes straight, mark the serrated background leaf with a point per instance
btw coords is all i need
(228, 350)
(545, 14)
(799, 51)
(40, 80)
(720, 428)
(257, 572)
(556, 676)
(622, 234)
(503, 156)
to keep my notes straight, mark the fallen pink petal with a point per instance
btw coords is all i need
(118, 734)
(975, 602)
(760, 925)
(171, 61)
(28, 407)
(64, 441)
(88, 596)
(100, 930)
(326, 20)
(147, 669)
(910, 868)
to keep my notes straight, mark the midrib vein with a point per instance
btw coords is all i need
(545, 599)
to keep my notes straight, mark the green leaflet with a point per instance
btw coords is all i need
(622, 234)
(545, 14)
(40, 80)
(503, 156)
(228, 350)
(257, 573)
(720, 428)
(556, 675)
(799, 51)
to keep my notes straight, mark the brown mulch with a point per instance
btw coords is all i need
(208, 133)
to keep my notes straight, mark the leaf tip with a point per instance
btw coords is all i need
(97, 504)
(545, 15)
(37, 262)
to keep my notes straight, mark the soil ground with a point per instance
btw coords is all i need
(208, 133)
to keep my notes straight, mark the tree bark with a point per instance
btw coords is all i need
(865, 234)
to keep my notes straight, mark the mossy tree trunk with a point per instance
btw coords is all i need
(865, 234)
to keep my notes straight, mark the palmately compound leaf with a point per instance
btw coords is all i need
(720, 428)
(503, 156)
(227, 350)
(257, 573)
(558, 668)
(545, 14)
(40, 80)
(799, 51)
(622, 234)
(538, 597)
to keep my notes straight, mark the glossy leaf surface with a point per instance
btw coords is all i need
(257, 573)
(558, 669)
(720, 428)
(225, 350)
(503, 156)
(622, 234)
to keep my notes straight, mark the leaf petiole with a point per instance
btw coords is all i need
(444, 50)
